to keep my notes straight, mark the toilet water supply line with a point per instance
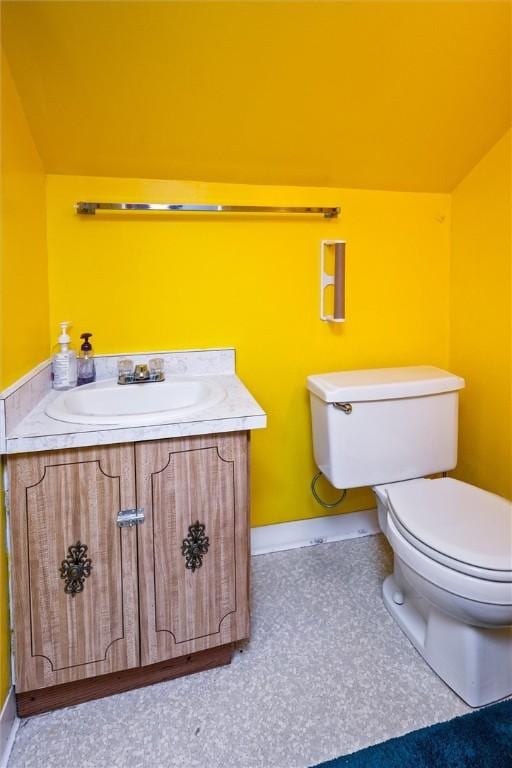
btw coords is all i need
(325, 504)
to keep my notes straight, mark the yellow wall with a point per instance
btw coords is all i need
(24, 285)
(24, 336)
(481, 317)
(150, 281)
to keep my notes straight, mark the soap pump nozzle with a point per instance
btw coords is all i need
(64, 337)
(86, 346)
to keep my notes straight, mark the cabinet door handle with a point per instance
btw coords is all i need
(127, 518)
(75, 569)
(195, 546)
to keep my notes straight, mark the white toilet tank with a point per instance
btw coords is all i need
(383, 425)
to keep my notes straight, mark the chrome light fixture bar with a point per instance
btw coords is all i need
(90, 209)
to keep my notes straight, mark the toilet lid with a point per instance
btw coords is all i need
(457, 520)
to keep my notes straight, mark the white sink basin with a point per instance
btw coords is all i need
(107, 402)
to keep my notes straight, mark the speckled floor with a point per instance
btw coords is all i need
(327, 672)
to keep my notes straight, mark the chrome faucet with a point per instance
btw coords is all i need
(142, 373)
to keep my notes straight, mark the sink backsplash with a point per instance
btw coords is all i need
(188, 362)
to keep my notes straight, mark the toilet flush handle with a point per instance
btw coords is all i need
(345, 407)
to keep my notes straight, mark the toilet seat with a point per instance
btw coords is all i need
(455, 524)
(478, 589)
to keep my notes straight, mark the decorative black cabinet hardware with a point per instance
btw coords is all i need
(195, 546)
(75, 569)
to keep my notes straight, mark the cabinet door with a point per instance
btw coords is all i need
(74, 571)
(193, 545)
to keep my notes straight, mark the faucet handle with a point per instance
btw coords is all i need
(125, 367)
(156, 368)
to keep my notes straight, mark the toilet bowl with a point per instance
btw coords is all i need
(451, 589)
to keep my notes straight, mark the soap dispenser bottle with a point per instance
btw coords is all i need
(64, 361)
(86, 367)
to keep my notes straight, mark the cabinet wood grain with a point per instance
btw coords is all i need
(58, 500)
(182, 482)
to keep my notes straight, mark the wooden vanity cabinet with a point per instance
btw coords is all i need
(100, 608)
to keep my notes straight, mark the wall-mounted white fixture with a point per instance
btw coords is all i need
(337, 247)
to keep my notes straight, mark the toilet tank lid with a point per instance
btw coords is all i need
(382, 383)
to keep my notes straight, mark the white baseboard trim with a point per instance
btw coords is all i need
(317, 530)
(9, 723)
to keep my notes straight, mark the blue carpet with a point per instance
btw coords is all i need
(482, 739)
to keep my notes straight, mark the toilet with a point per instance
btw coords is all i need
(451, 587)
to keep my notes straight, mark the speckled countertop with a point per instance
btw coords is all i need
(34, 430)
